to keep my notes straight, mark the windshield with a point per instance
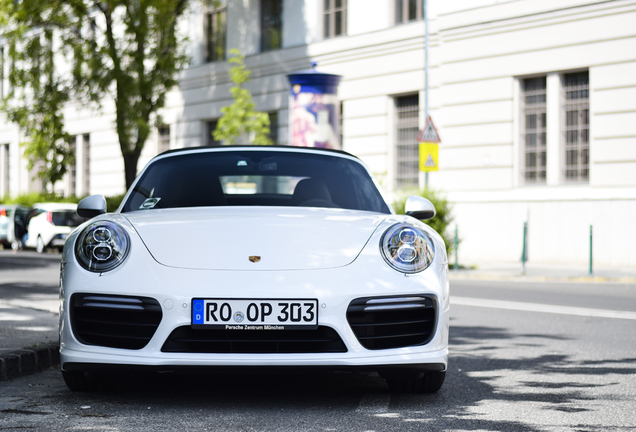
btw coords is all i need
(255, 178)
(66, 218)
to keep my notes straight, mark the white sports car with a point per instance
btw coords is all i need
(255, 257)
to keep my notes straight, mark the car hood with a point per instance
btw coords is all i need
(277, 238)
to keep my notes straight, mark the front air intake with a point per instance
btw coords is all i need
(186, 339)
(114, 321)
(393, 322)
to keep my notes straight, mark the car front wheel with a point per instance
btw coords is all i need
(428, 382)
(39, 247)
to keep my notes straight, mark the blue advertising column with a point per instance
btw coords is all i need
(314, 110)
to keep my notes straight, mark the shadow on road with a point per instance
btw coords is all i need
(14, 291)
(25, 260)
(558, 383)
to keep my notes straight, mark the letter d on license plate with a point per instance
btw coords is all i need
(255, 314)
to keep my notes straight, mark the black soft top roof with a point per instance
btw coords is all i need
(257, 148)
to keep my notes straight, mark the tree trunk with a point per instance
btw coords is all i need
(130, 168)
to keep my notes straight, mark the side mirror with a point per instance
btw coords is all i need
(92, 206)
(419, 208)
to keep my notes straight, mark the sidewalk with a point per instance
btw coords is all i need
(29, 308)
(537, 272)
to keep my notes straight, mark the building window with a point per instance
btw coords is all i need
(4, 158)
(164, 139)
(408, 10)
(335, 18)
(216, 31)
(86, 163)
(271, 25)
(407, 158)
(534, 130)
(72, 169)
(576, 128)
(273, 126)
(209, 134)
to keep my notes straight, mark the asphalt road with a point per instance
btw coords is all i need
(524, 357)
(29, 299)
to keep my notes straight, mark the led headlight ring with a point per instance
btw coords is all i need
(407, 248)
(102, 246)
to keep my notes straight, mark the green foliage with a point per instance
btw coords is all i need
(113, 202)
(240, 119)
(30, 199)
(37, 98)
(443, 214)
(84, 51)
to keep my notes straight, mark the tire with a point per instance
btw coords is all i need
(39, 246)
(76, 381)
(430, 382)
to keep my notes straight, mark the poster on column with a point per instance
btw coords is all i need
(314, 119)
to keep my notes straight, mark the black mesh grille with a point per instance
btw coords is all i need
(114, 321)
(393, 322)
(188, 340)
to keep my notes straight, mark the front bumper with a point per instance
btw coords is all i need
(174, 288)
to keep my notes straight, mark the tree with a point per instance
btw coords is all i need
(127, 51)
(240, 119)
(38, 98)
(443, 213)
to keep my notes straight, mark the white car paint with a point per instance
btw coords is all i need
(329, 254)
(40, 228)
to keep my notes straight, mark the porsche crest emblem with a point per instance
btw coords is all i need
(255, 258)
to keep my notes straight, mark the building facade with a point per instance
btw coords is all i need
(534, 100)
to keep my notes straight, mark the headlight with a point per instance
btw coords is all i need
(407, 248)
(102, 246)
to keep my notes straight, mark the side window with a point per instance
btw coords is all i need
(210, 127)
(407, 155)
(164, 139)
(273, 126)
(576, 127)
(334, 18)
(271, 25)
(216, 34)
(534, 130)
(408, 10)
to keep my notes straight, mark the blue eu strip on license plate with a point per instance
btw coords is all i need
(255, 314)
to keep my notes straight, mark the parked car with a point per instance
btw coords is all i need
(50, 223)
(255, 257)
(12, 225)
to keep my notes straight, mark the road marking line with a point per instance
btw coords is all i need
(536, 307)
(374, 403)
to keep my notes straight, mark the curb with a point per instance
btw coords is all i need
(28, 361)
(525, 278)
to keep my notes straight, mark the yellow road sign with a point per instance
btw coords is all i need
(428, 156)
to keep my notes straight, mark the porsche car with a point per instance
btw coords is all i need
(250, 258)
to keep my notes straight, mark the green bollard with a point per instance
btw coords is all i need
(523, 252)
(590, 250)
(456, 266)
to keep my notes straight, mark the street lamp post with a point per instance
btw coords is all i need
(425, 13)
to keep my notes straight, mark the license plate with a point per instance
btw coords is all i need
(255, 314)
